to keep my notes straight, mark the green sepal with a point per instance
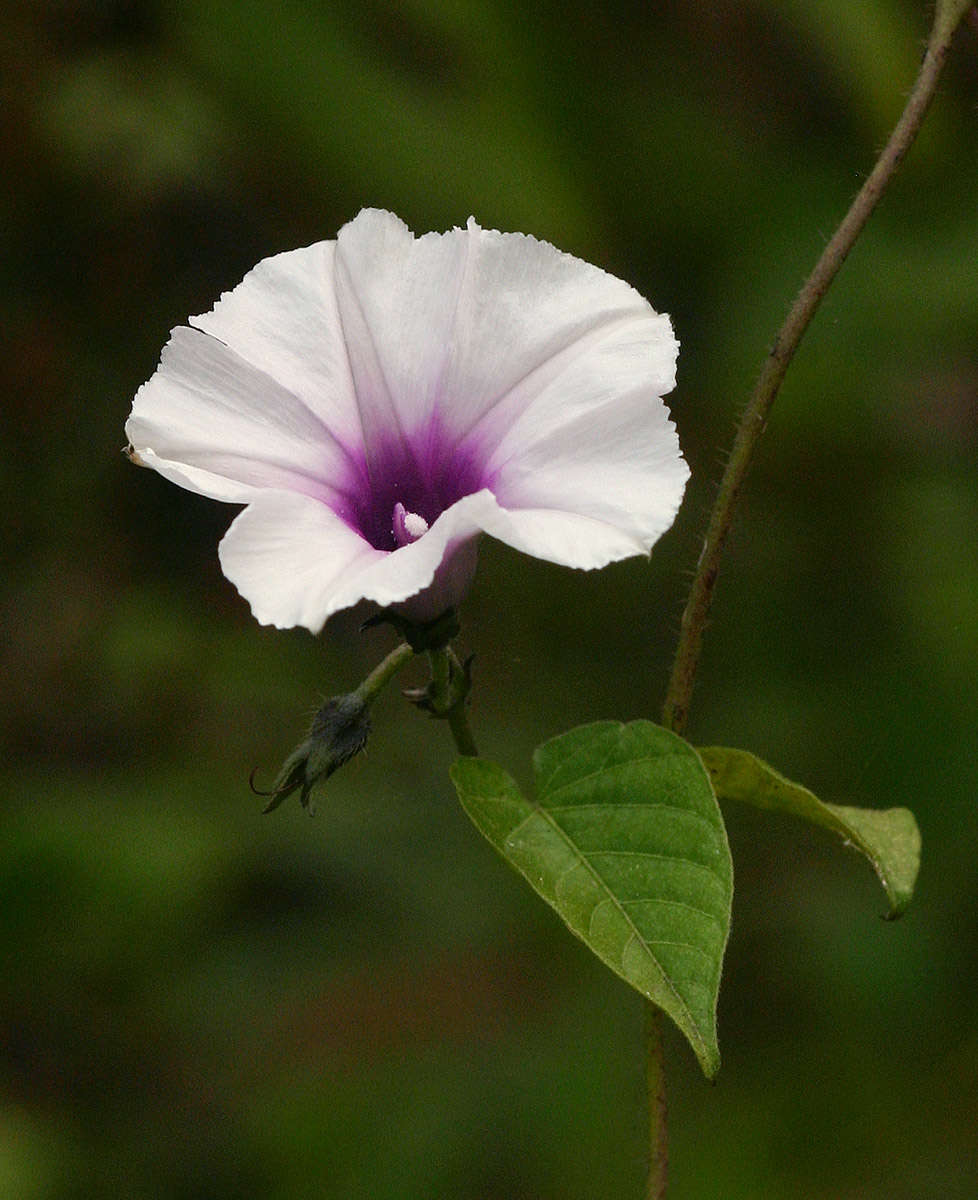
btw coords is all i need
(421, 636)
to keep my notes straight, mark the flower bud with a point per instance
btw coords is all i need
(338, 731)
(421, 636)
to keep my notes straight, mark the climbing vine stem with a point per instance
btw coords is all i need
(675, 714)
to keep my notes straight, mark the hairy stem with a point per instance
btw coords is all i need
(675, 714)
(384, 672)
(679, 694)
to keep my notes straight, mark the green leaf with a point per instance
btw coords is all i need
(889, 838)
(626, 842)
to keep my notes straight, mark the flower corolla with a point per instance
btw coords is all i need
(378, 401)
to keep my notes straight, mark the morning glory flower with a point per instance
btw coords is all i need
(379, 401)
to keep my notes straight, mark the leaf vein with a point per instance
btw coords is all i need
(670, 858)
(605, 768)
(631, 804)
(712, 918)
(635, 934)
(701, 912)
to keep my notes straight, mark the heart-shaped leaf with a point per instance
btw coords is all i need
(626, 841)
(889, 837)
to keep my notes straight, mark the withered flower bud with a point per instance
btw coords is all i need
(338, 731)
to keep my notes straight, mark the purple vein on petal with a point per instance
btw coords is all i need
(424, 469)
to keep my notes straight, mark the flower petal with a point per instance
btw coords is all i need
(294, 560)
(627, 359)
(282, 318)
(568, 539)
(471, 324)
(622, 498)
(396, 296)
(528, 311)
(297, 563)
(214, 423)
(619, 464)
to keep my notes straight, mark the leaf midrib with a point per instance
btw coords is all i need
(538, 809)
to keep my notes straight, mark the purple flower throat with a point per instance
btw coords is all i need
(402, 485)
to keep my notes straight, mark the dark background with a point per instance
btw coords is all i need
(197, 1001)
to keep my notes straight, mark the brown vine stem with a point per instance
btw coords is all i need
(655, 1078)
(675, 714)
(679, 693)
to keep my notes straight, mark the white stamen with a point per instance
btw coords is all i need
(407, 526)
(415, 525)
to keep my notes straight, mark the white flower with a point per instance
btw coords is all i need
(379, 401)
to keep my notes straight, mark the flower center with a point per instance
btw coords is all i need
(407, 526)
(404, 484)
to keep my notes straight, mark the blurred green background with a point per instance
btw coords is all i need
(197, 1001)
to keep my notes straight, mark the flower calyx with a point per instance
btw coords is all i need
(449, 688)
(421, 636)
(338, 732)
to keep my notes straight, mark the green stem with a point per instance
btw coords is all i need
(458, 723)
(449, 691)
(458, 717)
(679, 694)
(384, 672)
